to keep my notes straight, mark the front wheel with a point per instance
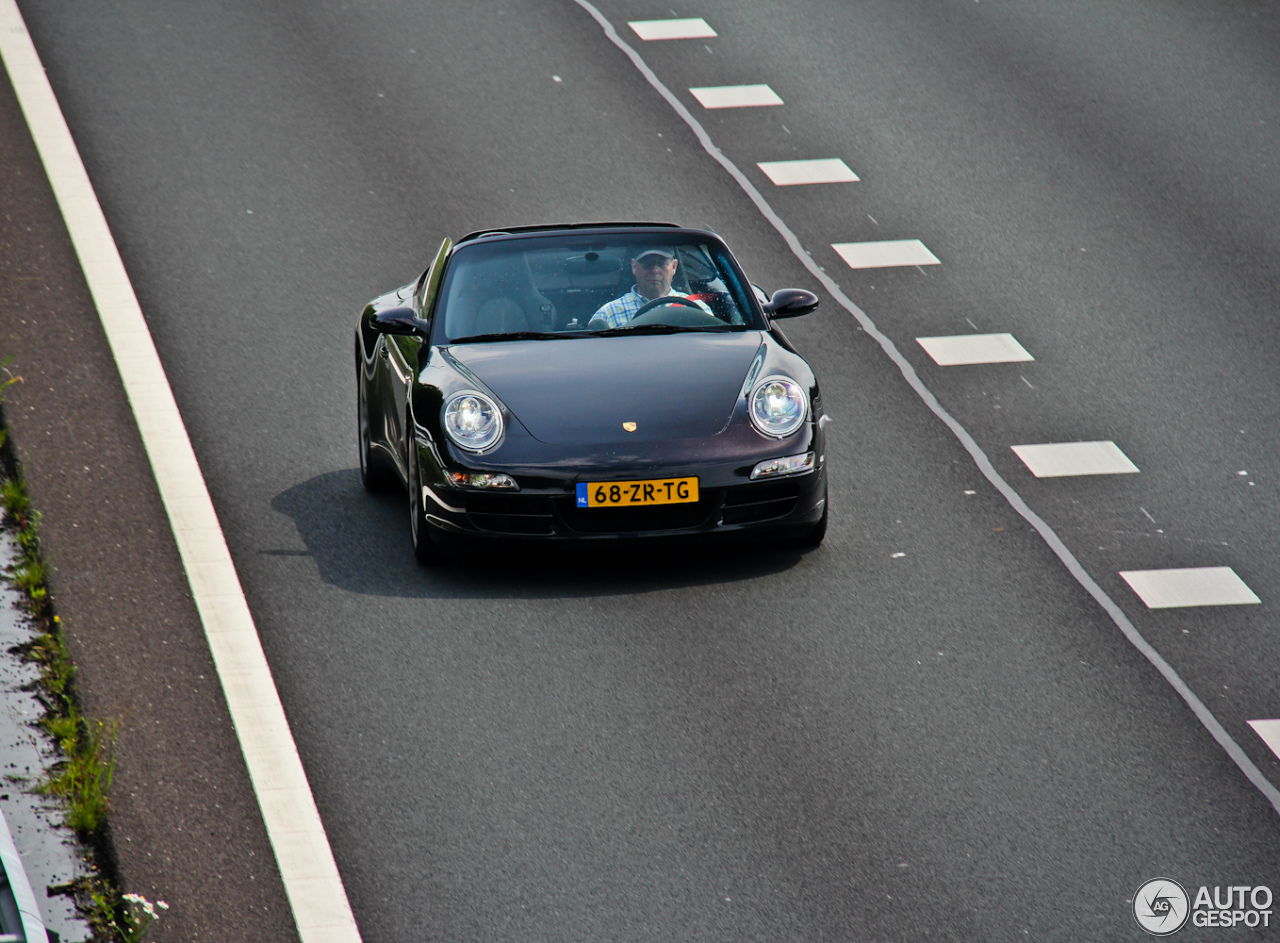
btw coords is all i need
(425, 549)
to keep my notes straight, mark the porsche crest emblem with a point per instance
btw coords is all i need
(629, 426)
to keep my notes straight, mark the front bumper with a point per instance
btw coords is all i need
(780, 505)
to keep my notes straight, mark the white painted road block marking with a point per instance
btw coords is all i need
(695, 28)
(1061, 459)
(790, 173)
(736, 96)
(891, 254)
(964, 349)
(1190, 586)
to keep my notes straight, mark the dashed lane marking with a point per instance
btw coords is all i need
(964, 349)
(1062, 459)
(1269, 731)
(790, 173)
(305, 860)
(695, 28)
(885, 254)
(970, 445)
(1190, 586)
(736, 96)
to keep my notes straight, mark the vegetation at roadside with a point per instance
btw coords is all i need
(81, 778)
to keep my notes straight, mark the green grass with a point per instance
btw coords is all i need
(81, 781)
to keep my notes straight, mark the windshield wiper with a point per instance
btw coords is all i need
(513, 336)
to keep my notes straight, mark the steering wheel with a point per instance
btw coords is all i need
(668, 300)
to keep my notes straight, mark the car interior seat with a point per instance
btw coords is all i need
(497, 295)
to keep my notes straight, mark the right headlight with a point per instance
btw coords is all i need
(778, 406)
(472, 420)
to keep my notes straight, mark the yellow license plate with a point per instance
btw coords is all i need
(626, 494)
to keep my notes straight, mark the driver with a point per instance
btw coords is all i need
(653, 269)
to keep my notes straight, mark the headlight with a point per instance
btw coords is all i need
(472, 420)
(778, 407)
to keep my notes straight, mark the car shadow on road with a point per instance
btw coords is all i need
(360, 543)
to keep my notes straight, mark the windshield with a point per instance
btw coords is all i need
(591, 285)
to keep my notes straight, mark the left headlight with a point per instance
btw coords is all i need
(472, 420)
(778, 406)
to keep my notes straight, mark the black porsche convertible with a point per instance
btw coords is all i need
(590, 381)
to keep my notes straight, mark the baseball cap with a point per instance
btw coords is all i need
(665, 251)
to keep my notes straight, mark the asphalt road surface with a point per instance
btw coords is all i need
(927, 729)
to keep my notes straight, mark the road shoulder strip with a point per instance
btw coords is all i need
(288, 811)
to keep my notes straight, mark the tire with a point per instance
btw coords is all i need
(425, 549)
(375, 474)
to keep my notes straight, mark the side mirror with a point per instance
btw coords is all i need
(398, 321)
(790, 303)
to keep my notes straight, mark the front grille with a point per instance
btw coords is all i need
(631, 520)
(510, 513)
(747, 504)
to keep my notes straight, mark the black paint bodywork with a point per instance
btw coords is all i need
(564, 402)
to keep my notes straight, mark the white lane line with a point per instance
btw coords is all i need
(1062, 459)
(963, 349)
(885, 254)
(980, 459)
(790, 173)
(305, 860)
(1190, 586)
(736, 96)
(1269, 731)
(694, 28)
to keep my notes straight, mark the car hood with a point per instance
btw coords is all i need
(672, 386)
